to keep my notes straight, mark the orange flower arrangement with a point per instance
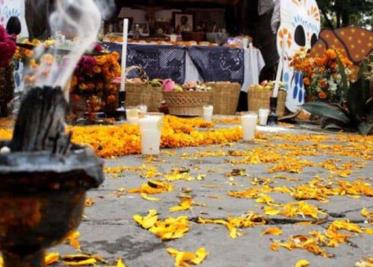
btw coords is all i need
(321, 75)
(114, 141)
(94, 76)
(24, 54)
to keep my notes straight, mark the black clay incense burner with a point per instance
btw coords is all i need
(44, 179)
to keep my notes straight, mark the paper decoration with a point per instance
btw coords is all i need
(13, 8)
(299, 28)
(355, 43)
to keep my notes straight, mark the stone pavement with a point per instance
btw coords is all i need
(109, 230)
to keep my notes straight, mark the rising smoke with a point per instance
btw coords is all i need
(78, 20)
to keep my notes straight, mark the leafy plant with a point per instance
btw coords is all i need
(355, 108)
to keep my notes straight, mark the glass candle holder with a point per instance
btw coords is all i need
(248, 122)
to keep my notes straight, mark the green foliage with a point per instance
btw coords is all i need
(328, 111)
(355, 110)
(347, 12)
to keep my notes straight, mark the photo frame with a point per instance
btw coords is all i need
(183, 22)
(142, 27)
(120, 23)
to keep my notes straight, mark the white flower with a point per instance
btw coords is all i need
(332, 86)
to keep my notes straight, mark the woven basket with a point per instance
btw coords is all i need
(187, 103)
(156, 98)
(260, 99)
(143, 93)
(225, 97)
(137, 94)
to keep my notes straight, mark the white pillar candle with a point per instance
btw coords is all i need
(143, 109)
(173, 38)
(208, 112)
(124, 55)
(263, 116)
(132, 115)
(150, 129)
(245, 42)
(249, 122)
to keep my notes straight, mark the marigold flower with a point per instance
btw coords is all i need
(322, 95)
(331, 54)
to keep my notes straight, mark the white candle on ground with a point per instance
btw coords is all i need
(132, 115)
(124, 55)
(150, 129)
(143, 109)
(208, 112)
(248, 122)
(263, 116)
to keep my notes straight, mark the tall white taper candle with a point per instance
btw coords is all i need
(279, 70)
(278, 77)
(124, 55)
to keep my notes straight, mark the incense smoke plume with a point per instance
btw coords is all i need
(78, 20)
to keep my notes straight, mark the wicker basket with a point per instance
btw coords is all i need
(225, 97)
(137, 94)
(260, 99)
(156, 98)
(187, 103)
(143, 93)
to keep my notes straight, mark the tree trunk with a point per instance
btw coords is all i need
(338, 16)
(345, 19)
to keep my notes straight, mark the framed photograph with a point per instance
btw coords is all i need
(143, 28)
(120, 23)
(183, 22)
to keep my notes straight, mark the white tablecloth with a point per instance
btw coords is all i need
(254, 63)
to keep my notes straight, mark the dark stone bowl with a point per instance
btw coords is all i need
(42, 200)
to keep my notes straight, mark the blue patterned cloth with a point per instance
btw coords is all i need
(163, 61)
(219, 63)
(158, 61)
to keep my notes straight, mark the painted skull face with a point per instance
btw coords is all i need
(300, 28)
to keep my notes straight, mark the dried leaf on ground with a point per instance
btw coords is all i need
(345, 225)
(148, 198)
(51, 258)
(185, 204)
(171, 228)
(73, 240)
(167, 229)
(272, 231)
(184, 258)
(89, 202)
(367, 214)
(80, 260)
(153, 187)
(234, 223)
(120, 263)
(368, 262)
(147, 221)
(302, 263)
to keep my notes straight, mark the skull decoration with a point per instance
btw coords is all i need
(299, 28)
